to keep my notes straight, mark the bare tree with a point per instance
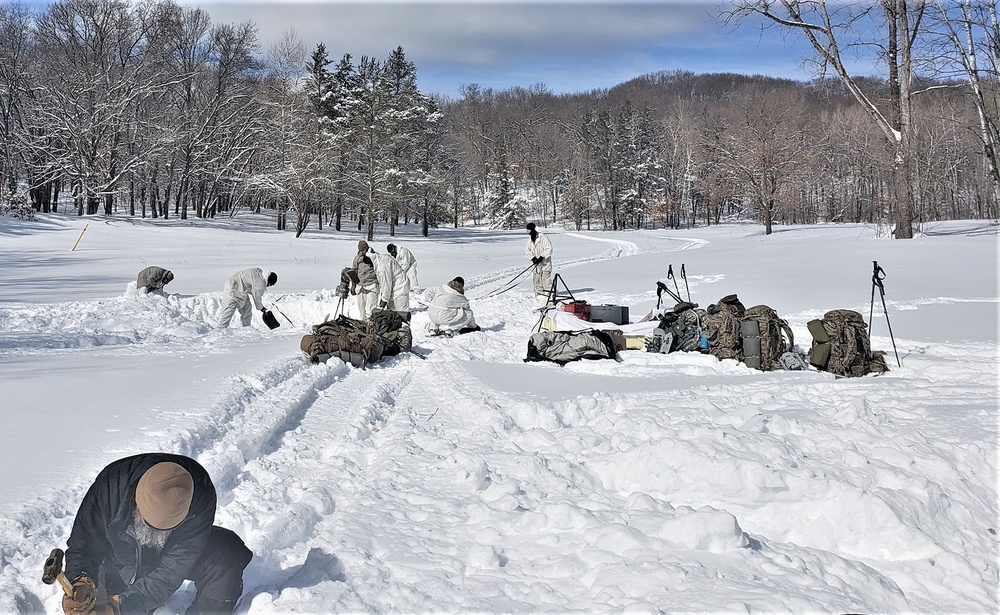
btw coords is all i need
(971, 37)
(288, 172)
(98, 61)
(219, 117)
(831, 28)
(764, 148)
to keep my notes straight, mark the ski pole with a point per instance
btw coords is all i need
(670, 276)
(77, 242)
(685, 276)
(878, 274)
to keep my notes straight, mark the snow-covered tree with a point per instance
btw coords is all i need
(97, 61)
(507, 209)
(15, 45)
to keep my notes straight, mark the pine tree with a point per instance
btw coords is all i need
(507, 209)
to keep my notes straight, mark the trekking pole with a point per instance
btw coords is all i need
(670, 276)
(663, 288)
(878, 274)
(685, 276)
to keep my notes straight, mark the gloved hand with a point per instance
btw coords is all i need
(536, 260)
(84, 597)
(383, 304)
(113, 607)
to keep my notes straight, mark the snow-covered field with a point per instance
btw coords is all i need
(474, 482)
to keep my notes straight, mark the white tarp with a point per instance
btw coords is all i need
(564, 321)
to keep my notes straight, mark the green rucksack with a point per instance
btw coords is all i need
(841, 345)
(765, 338)
(722, 328)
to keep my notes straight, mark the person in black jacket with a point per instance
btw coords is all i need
(144, 526)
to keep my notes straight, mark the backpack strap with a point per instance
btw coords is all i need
(789, 336)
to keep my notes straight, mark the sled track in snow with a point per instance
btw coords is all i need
(333, 447)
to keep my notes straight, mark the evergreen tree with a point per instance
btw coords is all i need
(507, 209)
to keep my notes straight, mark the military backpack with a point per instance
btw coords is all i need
(841, 346)
(765, 337)
(722, 328)
(680, 329)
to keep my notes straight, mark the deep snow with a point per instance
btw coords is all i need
(474, 482)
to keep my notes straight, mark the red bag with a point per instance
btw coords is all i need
(580, 309)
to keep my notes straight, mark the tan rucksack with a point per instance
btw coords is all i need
(344, 339)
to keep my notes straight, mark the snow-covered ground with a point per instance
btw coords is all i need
(474, 482)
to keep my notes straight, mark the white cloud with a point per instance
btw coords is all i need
(487, 39)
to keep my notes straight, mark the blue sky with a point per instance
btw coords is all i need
(567, 46)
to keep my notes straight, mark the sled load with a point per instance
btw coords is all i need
(564, 346)
(358, 342)
(571, 329)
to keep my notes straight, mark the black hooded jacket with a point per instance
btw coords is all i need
(100, 536)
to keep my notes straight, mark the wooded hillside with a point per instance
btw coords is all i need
(149, 109)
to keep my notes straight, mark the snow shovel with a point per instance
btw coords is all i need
(270, 319)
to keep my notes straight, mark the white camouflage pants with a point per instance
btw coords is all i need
(229, 309)
(541, 277)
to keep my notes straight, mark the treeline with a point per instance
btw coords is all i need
(149, 109)
(678, 149)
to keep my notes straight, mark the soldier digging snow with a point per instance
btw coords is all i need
(240, 289)
(153, 279)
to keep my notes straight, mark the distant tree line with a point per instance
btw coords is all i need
(149, 109)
